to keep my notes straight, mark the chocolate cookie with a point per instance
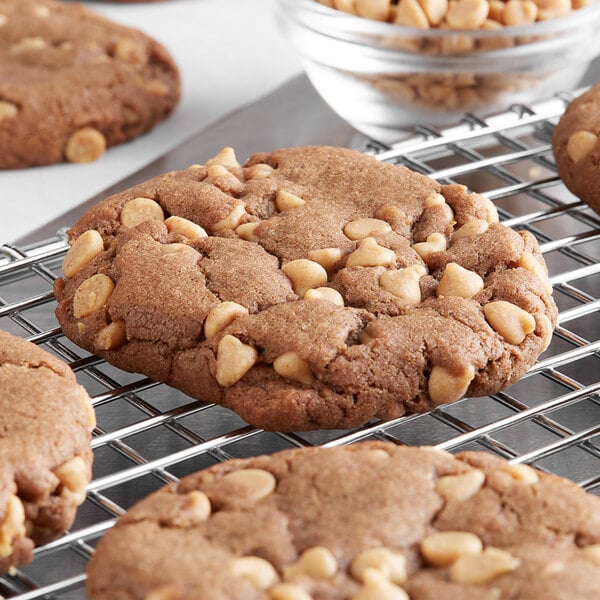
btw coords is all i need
(576, 146)
(312, 288)
(362, 522)
(73, 83)
(45, 456)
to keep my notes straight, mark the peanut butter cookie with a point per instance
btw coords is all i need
(311, 288)
(73, 83)
(46, 421)
(576, 146)
(370, 521)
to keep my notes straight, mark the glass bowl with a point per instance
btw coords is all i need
(384, 78)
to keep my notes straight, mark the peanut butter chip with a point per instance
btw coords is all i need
(523, 473)
(233, 219)
(445, 547)
(110, 337)
(448, 386)
(404, 283)
(474, 227)
(257, 570)
(168, 249)
(73, 478)
(130, 51)
(325, 293)
(254, 484)
(410, 13)
(220, 177)
(27, 44)
(547, 334)
(435, 10)
(130, 116)
(84, 249)
(580, 144)
(292, 366)
(487, 206)
(185, 227)
(90, 412)
(317, 562)
(259, 171)
(377, 587)
(552, 9)
(373, 9)
(370, 254)
(362, 228)
(482, 568)
(458, 281)
(531, 263)
(195, 509)
(288, 591)
(519, 12)
(246, 231)
(510, 321)
(12, 526)
(467, 14)
(234, 360)
(434, 199)
(326, 257)
(380, 454)
(92, 295)
(226, 158)
(39, 10)
(345, 5)
(304, 275)
(7, 111)
(457, 488)
(156, 87)
(436, 242)
(553, 568)
(164, 592)
(591, 553)
(287, 201)
(392, 565)
(139, 210)
(221, 316)
(85, 145)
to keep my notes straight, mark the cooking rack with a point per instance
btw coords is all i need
(149, 434)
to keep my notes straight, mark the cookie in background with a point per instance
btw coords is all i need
(362, 522)
(576, 147)
(73, 83)
(46, 421)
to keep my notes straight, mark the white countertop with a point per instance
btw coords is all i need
(230, 53)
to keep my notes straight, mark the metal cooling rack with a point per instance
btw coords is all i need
(149, 434)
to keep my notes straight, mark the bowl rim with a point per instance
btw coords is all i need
(334, 20)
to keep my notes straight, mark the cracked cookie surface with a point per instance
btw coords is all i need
(46, 421)
(576, 147)
(367, 521)
(311, 288)
(73, 83)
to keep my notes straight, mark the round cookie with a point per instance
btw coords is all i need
(73, 83)
(576, 147)
(312, 288)
(364, 522)
(46, 421)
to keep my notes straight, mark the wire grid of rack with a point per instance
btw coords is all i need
(149, 434)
